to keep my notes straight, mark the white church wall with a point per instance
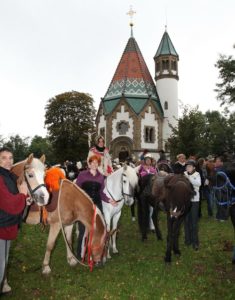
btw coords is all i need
(149, 121)
(102, 124)
(122, 116)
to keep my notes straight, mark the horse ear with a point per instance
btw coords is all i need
(30, 158)
(43, 158)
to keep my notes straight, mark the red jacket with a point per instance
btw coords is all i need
(12, 204)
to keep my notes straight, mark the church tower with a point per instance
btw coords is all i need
(166, 76)
(130, 115)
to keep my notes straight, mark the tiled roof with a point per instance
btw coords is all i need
(132, 80)
(166, 46)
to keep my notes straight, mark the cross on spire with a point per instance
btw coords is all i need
(131, 13)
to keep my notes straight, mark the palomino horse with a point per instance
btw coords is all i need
(32, 171)
(120, 186)
(75, 205)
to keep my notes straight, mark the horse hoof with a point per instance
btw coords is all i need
(72, 262)
(46, 270)
(115, 251)
(167, 260)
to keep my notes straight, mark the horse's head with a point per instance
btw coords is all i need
(129, 184)
(32, 171)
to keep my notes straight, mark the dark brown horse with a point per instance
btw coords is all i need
(171, 193)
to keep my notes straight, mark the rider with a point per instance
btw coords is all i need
(147, 166)
(105, 165)
(12, 203)
(144, 169)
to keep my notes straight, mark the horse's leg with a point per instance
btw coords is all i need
(169, 238)
(155, 218)
(116, 218)
(53, 233)
(70, 256)
(176, 231)
(143, 216)
(133, 211)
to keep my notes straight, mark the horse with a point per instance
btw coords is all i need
(32, 170)
(74, 204)
(120, 186)
(172, 194)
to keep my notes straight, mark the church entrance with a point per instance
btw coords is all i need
(121, 148)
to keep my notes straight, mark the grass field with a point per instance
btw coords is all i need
(137, 272)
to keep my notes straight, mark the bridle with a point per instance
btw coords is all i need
(31, 191)
(123, 193)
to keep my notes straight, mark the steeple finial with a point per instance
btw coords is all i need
(131, 13)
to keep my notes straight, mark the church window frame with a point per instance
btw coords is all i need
(122, 127)
(102, 131)
(149, 134)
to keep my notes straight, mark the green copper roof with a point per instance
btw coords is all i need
(166, 46)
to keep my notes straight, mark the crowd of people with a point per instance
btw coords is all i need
(91, 178)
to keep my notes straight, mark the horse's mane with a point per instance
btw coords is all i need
(53, 177)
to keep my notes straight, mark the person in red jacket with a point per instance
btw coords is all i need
(12, 203)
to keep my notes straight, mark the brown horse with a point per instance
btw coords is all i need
(174, 194)
(74, 204)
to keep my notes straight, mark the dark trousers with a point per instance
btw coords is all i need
(207, 194)
(191, 226)
(81, 229)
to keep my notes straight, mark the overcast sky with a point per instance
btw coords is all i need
(48, 47)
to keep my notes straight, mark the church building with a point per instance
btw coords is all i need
(136, 112)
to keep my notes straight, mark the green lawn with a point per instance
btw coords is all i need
(138, 272)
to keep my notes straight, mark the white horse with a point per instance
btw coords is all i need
(119, 186)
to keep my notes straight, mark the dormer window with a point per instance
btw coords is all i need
(165, 105)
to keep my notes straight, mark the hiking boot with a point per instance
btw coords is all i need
(6, 288)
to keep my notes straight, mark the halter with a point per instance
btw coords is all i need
(123, 193)
(32, 191)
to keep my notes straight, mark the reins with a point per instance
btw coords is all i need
(88, 246)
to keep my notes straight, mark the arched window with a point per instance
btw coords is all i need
(149, 134)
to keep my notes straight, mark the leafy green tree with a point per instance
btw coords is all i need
(226, 88)
(188, 136)
(68, 116)
(40, 146)
(202, 134)
(19, 146)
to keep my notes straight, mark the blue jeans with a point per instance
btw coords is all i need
(4, 253)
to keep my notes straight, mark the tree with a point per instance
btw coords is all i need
(202, 134)
(19, 146)
(187, 137)
(40, 146)
(68, 116)
(226, 88)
